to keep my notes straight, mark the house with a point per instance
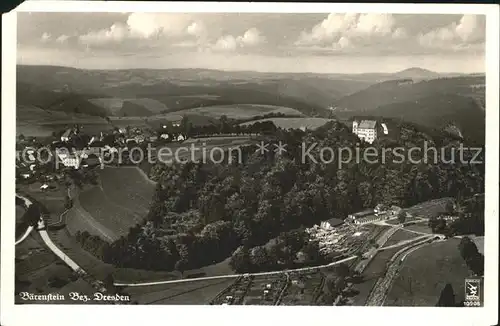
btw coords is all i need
(365, 130)
(364, 213)
(92, 160)
(380, 209)
(176, 123)
(164, 136)
(367, 219)
(67, 135)
(68, 159)
(139, 139)
(395, 210)
(44, 186)
(364, 217)
(331, 223)
(180, 138)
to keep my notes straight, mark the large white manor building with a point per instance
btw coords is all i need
(368, 130)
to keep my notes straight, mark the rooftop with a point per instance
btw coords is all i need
(367, 124)
(335, 221)
(66, 133)
(363, 213)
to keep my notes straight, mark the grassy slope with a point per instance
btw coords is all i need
(426, 271)
(294, 123)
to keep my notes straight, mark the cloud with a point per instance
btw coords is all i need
(251, 38)
(458, 35)
(197, 29)
(226, 43)
(62, 38)
(146, 26)
(351, 27)
(45, 37)
(115, 33)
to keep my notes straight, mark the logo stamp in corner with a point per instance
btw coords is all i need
(472, 292)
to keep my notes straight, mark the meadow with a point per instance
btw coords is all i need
(425, 272)
(197, 292)
(400, 235)
(293, 123)
(120, 202)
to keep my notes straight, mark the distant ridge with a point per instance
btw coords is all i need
(416, 72)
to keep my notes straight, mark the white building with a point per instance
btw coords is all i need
(366, 130)
(331, 223)
(66, 135)
(68, 159)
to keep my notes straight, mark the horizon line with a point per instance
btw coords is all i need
(263, 72)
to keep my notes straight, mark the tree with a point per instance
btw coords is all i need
(401, 217)
(181, 266)
(240, 260)
(109, 282)
(343, 270)
(447, 297)
(471, 255)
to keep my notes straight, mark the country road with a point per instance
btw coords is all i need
(48, 242)
(25, 235)
(234, 275)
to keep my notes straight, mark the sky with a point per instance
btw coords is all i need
(319, 43)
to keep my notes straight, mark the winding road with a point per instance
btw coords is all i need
(234, 275)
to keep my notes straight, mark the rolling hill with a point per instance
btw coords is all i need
(439, 111)
(404, 90)
(67, 102)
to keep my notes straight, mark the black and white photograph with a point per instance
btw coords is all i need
(241, 158)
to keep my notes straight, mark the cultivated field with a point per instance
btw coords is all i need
(110, 209)
(241, 111)
(294, 123)
(303, 289)
(425, 272)
(430, 208)
(114, 104)
(127, 186)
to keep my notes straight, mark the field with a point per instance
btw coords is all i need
(425, 273)
(197, 292)
(303, 289)
(430, 208)
(293, 123)
(240, 111)
(120, 202)
(370, 275)
(400, 235)
(419, 227)
(114, 104)
(37, 269)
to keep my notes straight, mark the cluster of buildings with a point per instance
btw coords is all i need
(369, 130)
(379, 213)
(74, 148)
(343, 236)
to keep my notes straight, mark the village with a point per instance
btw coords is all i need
(75, 148)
